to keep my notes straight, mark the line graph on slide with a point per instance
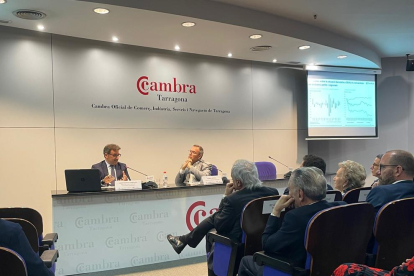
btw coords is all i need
(359, 105)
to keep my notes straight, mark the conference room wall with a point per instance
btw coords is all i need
(395, 88)
(266, 103)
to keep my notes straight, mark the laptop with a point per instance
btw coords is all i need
(85, 180)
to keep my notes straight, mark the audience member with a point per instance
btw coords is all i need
(245, 187)
(310, 160)
(13, 237)
(111, 169)
(193, 168)
(396, 168)
(405, 269)
(307, 189)
(374, 170)
(350, 175)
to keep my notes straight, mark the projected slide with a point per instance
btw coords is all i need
(341, 104)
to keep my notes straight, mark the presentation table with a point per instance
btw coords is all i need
(110, 230)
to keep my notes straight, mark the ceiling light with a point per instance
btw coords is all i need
(312, 64)
(304, 47)
(275, 60)
(256, 36)
(188, 24)
(3, 1)
(342, 56)
(115, 39)
(229, 54)
(101, 10)
(177, 48)
(40, 27)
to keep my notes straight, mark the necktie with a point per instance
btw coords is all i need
(113, 174)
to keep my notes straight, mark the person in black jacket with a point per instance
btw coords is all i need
(245, 187)
(307, 189)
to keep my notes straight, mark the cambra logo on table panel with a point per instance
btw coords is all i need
(194, 216)
(144, 86)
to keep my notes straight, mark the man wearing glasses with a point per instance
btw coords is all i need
(110, 169)
(396, 171)
(193, 168)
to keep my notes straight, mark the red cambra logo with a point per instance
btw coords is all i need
(144, 86)
(194, 216)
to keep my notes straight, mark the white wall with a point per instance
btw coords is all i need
(47, 123)
(395, 104)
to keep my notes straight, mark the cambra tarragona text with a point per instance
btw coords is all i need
(144, 86)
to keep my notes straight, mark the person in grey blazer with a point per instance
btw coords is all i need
(193, 168)
(111, 169)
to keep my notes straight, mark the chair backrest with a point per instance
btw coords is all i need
(338, 235)
(266, 170)
(11, 263)
(24, 213)
(394, 233)
(356, 195)
(214, 170)
(333, 195)
(253, 222)
(29, 230)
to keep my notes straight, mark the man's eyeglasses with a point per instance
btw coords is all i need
(381, 166)
(193, 152)
(115, 155)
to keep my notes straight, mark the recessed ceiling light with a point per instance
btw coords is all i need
(101, 10)
(177, 48)
(3, 1)
(115, 39)
(342, 56)
(188, 24)
(229, 54)
(40, 27)
(256, 36)
(304, 47)
(275, 60)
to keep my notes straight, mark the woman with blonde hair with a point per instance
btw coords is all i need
(350, 175)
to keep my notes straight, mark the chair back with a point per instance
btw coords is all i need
(333, 195)
(214, 170)
(394, 233)
(356, 195)
(253, 222)
(28, 214)
(338, 235)
(11, 263)
(266, 170)
(29, 230)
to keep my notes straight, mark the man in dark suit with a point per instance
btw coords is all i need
(396, 171)
(245, 187)
(111, 169)
(307, 189)
(13, 237)
(311, 160)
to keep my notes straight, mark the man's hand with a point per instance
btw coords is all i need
(185, 164)
(284, 202)
(108, 179)
(124, 177)
(229, 189)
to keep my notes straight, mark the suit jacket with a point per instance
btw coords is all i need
(382, 194)
(103, 169)
(13, 237)
(287, 238)
(198, 169)
(227, 218)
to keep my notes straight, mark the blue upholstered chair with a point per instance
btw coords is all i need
(355, 195)
(11, 263)
(394, 234)
(326, 250)
(266, 170)
(214, 170)
(227, 254)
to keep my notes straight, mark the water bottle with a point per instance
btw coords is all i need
(164, 180)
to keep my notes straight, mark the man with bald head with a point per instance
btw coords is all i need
(396, 170)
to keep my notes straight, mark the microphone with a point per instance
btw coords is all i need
(128, 167)
(286, 175)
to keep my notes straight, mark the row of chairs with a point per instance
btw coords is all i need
(32, 224)
(334, 236)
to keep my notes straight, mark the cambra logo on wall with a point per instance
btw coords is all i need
(195, 215)
(144, 86)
